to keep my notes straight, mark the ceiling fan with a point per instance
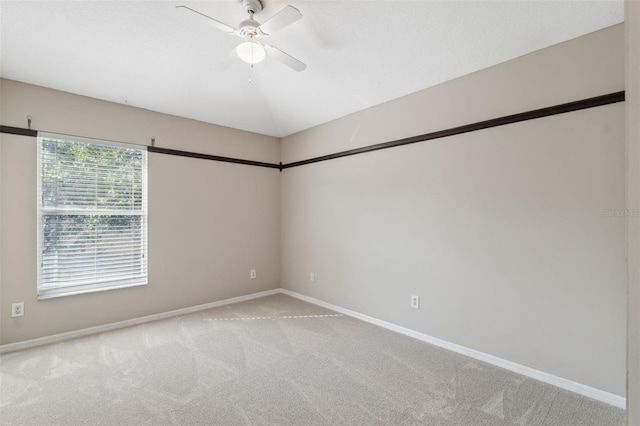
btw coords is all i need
(252, 50)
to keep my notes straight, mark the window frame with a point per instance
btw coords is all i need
(60, 290)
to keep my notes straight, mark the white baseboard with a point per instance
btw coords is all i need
(10, 347)
(588, 391)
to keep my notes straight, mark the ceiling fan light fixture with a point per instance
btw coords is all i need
(253, 33)
(251, 52)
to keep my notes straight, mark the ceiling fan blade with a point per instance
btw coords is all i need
(207, 19)
(286, 16)
(285, 58)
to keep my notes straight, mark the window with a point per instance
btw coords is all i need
(92, 215)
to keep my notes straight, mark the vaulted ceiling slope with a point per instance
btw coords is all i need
(358, 53)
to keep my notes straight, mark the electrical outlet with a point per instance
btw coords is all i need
(253, 274)
(17, 309)
(312, 277)
(415, 301)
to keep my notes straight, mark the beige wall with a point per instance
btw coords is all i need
(632, 89)
(501, 232)
(2, 308)
(209, 222)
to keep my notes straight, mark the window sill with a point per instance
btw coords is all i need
(63, 292)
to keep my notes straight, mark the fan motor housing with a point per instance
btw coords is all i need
(249, 28)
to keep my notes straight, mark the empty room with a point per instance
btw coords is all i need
(270, 212)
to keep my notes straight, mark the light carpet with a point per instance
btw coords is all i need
(274, 360)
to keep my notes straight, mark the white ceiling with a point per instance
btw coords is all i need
(358, 53)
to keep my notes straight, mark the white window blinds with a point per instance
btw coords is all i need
(92, 215)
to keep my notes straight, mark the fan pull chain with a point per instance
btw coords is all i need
(252, 44)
